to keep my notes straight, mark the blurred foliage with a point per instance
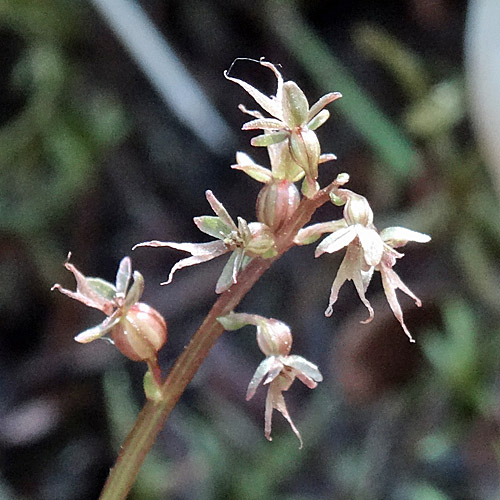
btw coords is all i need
(390, 421)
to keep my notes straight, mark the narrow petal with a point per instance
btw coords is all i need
(85, 292)
(201, 252)
(268, 139)
(400, 236)
(337, 240)
(361, 280)
(136, 290)
(321, 103)
(311, 233)
(258, 376)
(274, 371)
(229, 273)
(340, 279)
(319, 119)
(269, 104)
(278, 402)
(255, 171)
(123, 276)
(391, 282)
(97, 331)
(213, 226)
(219, 210)
(264, 124)
(303, 366)
(372, 244)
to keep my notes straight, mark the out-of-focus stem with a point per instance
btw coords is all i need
(152, 417)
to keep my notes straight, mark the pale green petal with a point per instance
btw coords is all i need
(264, 124)
(321, 103)
(311, 233)
(229, 273)
(247, 165)
(213, 226)
(102, 287)
(97, 331)
(136, 290)
(265, 140)
(318, 120)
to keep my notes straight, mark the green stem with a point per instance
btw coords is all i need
(152, 417)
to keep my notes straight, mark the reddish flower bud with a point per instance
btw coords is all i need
(276, 203)
(274, 337)
(141, 333)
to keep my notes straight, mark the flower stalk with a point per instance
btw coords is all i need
(154, 414)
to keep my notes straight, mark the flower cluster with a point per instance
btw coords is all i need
(367, 251)
(279, 368)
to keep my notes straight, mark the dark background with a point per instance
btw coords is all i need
(93, 160)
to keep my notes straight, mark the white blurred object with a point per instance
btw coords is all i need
(165, 71)
(482, 49)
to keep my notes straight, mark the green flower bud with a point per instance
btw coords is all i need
(261, 240)
(276, 203)
(305, 150)
(141, 333)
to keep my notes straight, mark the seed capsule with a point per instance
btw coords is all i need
(276, 203)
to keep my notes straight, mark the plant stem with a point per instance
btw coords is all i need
(152, 417)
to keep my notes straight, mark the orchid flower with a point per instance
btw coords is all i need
(243, 240)
(137, 330)
(279, 369)
(367, 251)
(293, 121)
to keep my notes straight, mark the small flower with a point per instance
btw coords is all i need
(279, 369)
(137, 330)
(293, 122)
(243, 240)
(367, 251)
(364, 248)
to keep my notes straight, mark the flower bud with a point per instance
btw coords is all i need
(261, 240)
(276, 203)
(305, 150)
(357, 210)
(274, 337)
(141, 333)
